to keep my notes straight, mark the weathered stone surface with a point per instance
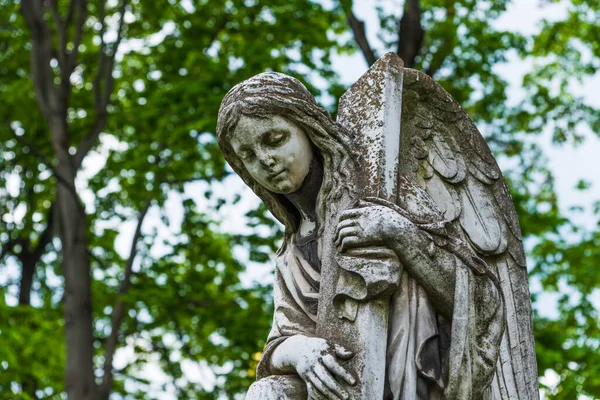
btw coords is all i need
(402, 271)
(370, 111)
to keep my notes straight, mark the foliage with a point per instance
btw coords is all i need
(177, 287)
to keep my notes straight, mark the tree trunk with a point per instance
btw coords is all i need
(29, 259)
(79, 377)
(27, 272)
(411, 35)
(71, 218)
(79, 374)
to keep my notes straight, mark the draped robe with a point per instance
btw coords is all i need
(428, 357)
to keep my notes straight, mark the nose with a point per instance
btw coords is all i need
(266, 159)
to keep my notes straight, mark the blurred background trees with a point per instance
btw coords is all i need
(117, 274)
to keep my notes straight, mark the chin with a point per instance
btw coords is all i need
(286, 188)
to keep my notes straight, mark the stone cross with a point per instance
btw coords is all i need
(371, 110)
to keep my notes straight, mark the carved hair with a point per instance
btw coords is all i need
(273, 93)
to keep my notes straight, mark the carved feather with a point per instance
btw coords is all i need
(505, 202)
(480, 218)
(467, 185)
(478, 173)
(442, 158)
(445, 197)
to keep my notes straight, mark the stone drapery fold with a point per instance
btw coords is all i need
(428, 358)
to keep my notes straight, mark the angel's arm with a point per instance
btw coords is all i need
(467, 297)
(288, 320)
(435, 268)
(292, 348)
(429, 264)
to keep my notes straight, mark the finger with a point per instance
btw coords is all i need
(372, 252)
(313, 393)
(342, 353)
(332, 365)
(329, 381)
(355, 212)
(347, 222)
(349, 242)
(350, 231)
(311, 385)
(320, 386)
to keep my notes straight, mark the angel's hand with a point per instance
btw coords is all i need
(318, 363)
(369, 225)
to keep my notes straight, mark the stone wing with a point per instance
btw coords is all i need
(442, 150)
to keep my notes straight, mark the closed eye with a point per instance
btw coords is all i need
(275, 138)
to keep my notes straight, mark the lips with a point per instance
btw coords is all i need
(277, 174)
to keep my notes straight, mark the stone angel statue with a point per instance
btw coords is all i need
(402, 273)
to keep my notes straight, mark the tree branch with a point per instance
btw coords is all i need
(46, 161)
(358, 29)
(46, 236)
(9, 247)
(98, 260)
(70, 13)
(81, 7)
(119, 308)
(68, 60)
(41, 54)
(26, 281)
(102, 57)
(41, 157)
(446, 48)
(61, 28)
(103, 84)
(29, 258)
(411, 33)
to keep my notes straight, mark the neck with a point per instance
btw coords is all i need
(305, 198)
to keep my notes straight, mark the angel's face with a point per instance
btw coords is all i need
(275, 151)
